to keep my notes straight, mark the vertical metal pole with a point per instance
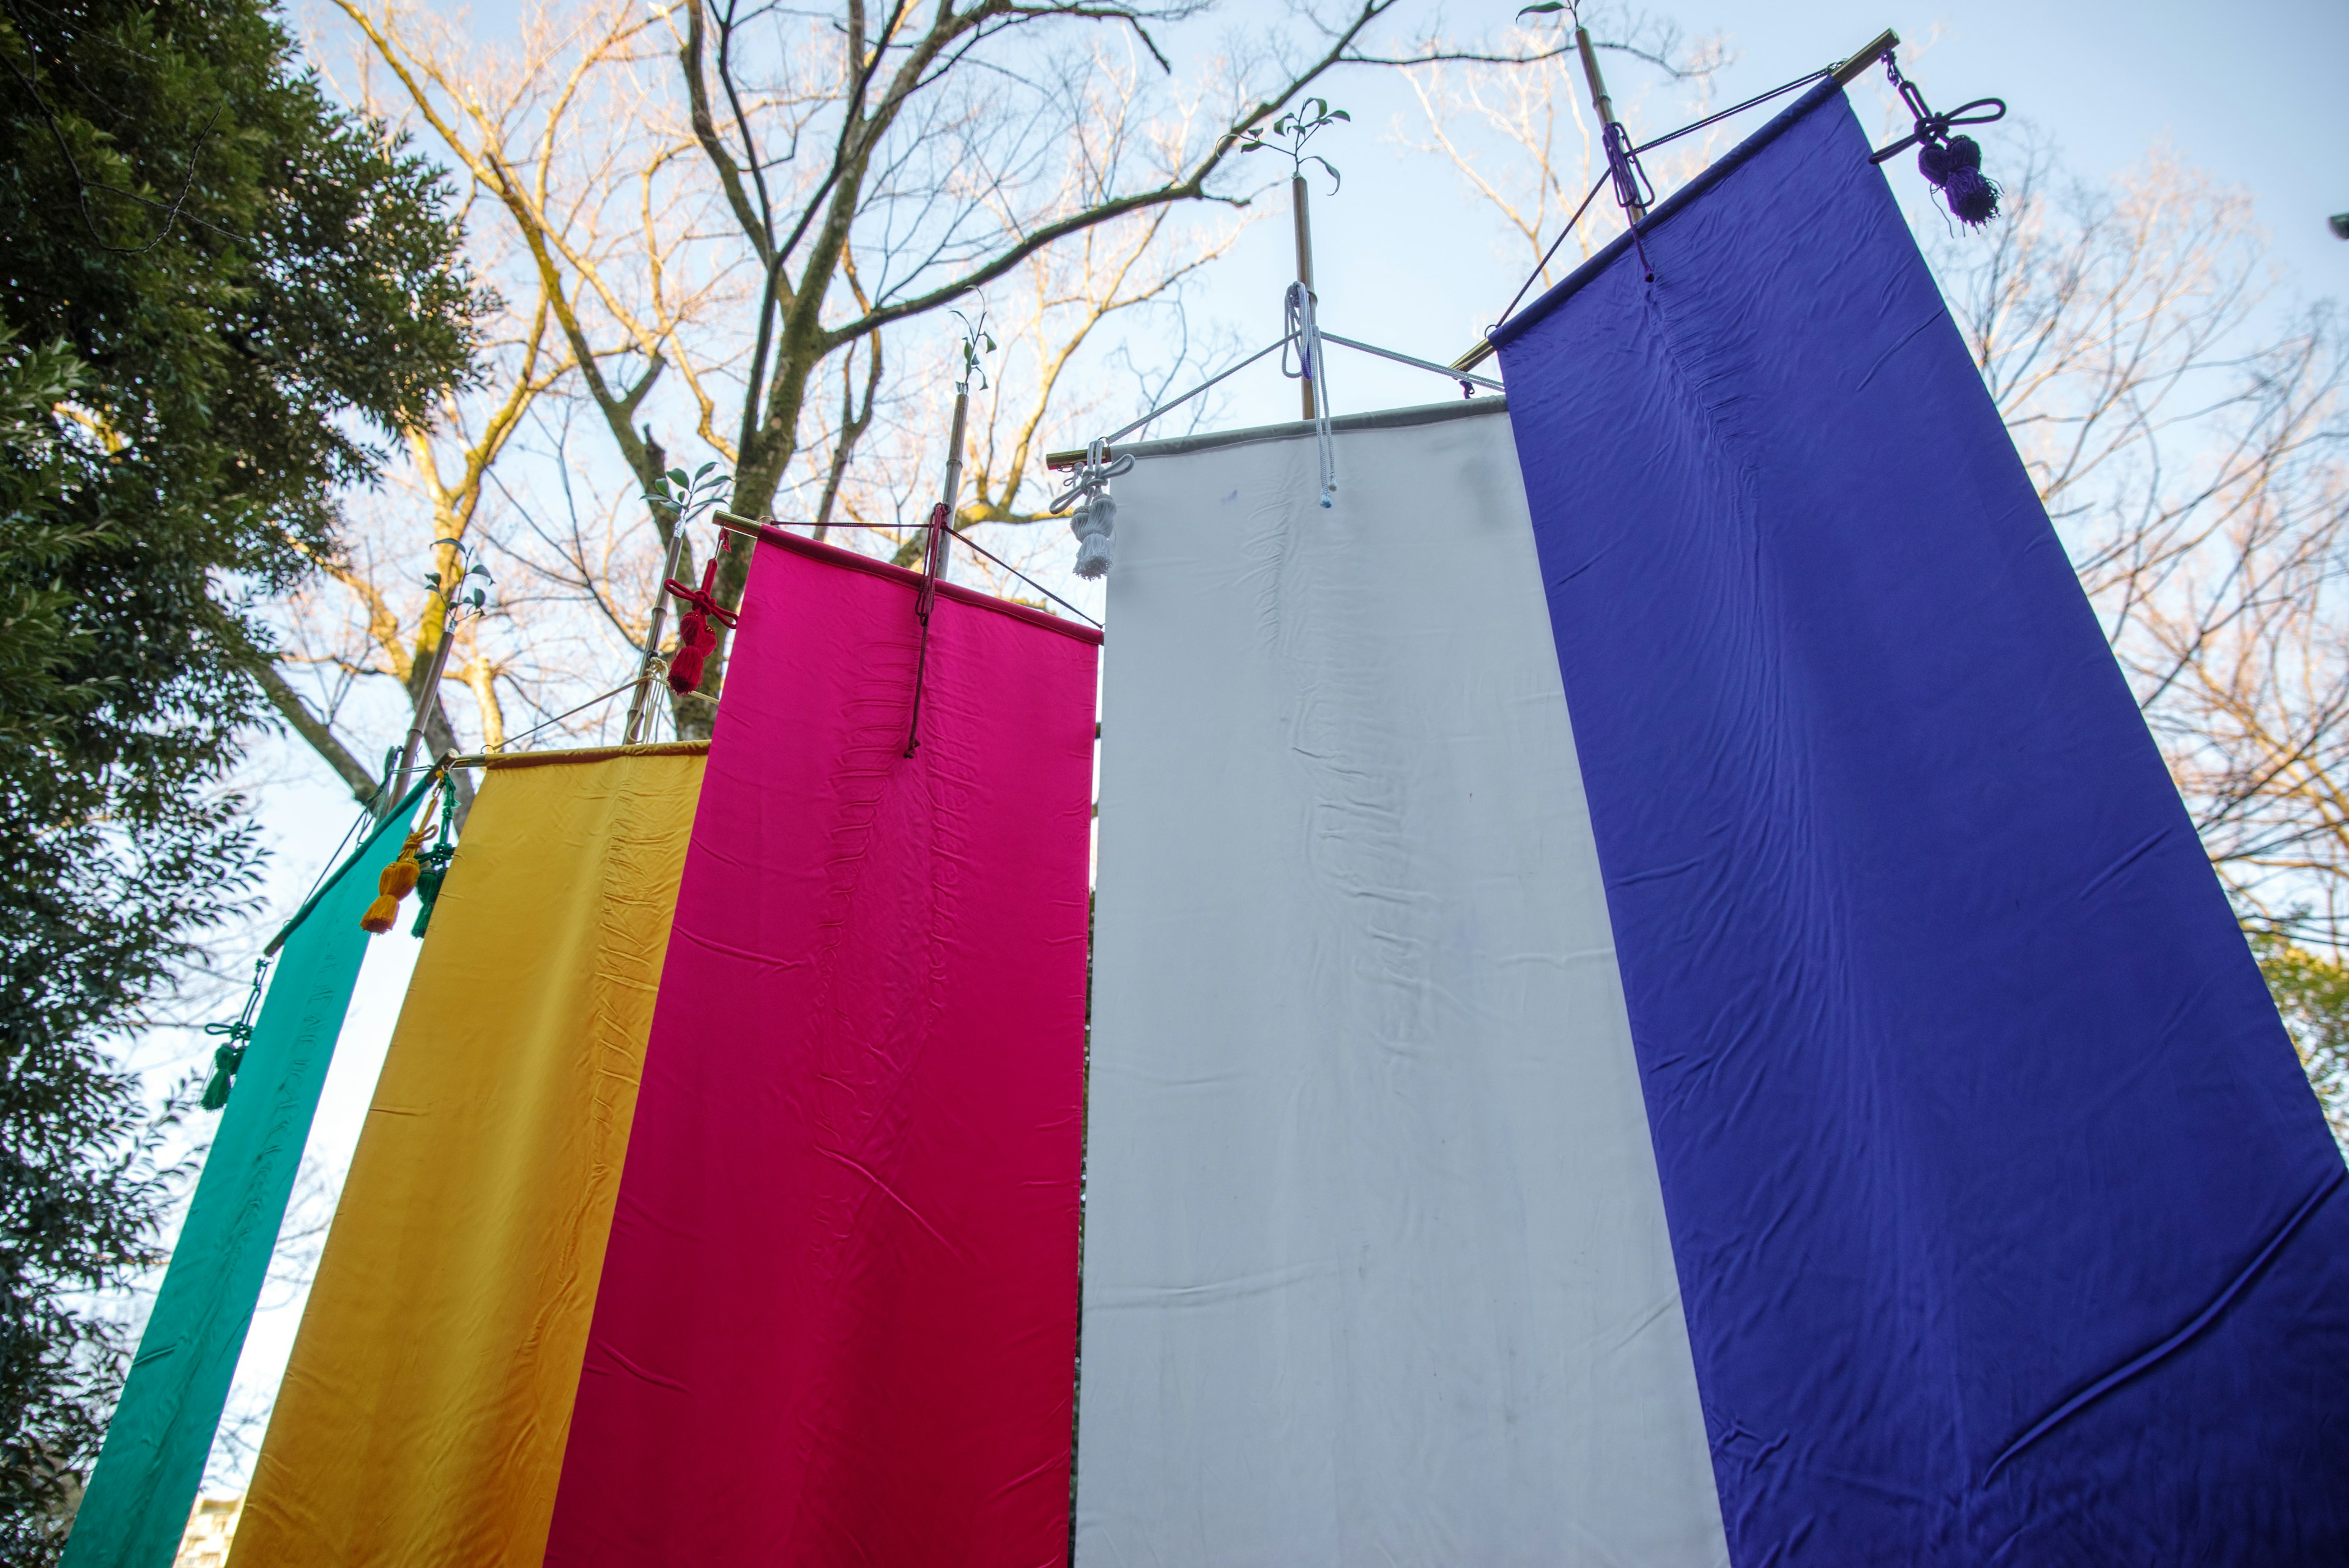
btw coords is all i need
(1600, 102)
(652, 637)
(1304, 274)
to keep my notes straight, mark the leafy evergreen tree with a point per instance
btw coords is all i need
(2312, 992)
(220, 294)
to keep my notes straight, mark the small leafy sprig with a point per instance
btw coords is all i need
(686, 497)
(1290, 133)
(976, 346)
(475, 600)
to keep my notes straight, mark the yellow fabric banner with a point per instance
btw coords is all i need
(424, 1412)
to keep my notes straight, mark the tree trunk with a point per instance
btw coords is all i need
(760, 476)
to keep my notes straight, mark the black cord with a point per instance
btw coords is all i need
(966, 539)
(1543, 265)
(1740, 109)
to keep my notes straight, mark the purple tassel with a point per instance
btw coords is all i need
(1956, 168)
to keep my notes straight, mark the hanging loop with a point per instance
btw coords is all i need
(1304, 329)
(1633, 192)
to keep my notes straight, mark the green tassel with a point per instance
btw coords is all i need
(428, 891)
(228, 1058)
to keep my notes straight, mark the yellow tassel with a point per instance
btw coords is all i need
(393, 883)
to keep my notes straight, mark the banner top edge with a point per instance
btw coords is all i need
(1614, 250)
(502, 760)
(1303, 430)
(833, 555)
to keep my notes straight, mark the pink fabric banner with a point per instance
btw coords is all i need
(837, 1321)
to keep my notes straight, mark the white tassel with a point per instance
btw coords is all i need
(1093, 523)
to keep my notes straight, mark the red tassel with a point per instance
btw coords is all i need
(693, 644)
(695, 641)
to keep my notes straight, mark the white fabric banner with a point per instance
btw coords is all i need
(1375, 1266)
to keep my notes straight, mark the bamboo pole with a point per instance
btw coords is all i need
(425, 699)
(653, 634)
(1298, 209)
(1877, 47)
(939, 553)
(1601, 105)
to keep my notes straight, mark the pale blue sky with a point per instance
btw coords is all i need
(2250, 93)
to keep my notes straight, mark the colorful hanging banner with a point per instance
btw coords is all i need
(2008, 1228)
(422, 1417)
(152, 1462)
(838, 1311)
(1376, 1268)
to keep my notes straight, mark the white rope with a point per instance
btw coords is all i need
(1300, 325)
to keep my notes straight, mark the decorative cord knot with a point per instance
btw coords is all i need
(433, 866)
(1953, 163)
(1094, 522)
(695, 641)
(228, 1058)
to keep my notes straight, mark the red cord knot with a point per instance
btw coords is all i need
(695, 641)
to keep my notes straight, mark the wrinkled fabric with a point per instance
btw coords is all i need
(145, 1483)
(1376, 1268)
(837, 1318)
(422, 1417)
(2008, 1228)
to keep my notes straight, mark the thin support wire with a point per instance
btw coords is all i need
(1823, 72)
(1444, 370)
(659, 667)
(1543, 266)
(1288, 337)
(966, 539)
(749, 530)
(1174, 403)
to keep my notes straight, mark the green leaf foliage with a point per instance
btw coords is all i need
(221, 297)
(1289, 134)
(2311, 991)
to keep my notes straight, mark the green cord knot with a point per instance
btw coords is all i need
(228, 1058)
(434, 864)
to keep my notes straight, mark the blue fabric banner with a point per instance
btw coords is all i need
(2008, 1228)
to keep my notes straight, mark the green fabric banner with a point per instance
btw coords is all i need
(136, 1508)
